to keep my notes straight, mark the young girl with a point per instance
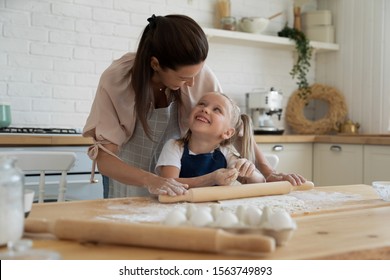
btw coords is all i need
(206, 156)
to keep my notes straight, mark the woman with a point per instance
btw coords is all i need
(144, 99)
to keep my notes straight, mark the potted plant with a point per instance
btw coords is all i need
(302, 64)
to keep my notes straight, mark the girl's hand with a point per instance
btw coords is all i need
(225, 176)
(165, 186)
(244, 167)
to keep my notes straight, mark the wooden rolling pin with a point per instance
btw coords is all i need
(207, 194)
(154, 235)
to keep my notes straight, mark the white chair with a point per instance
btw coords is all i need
(43, 162)
(272, 159)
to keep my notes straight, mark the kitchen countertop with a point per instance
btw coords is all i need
(285, 138)
(373, 139)
(370, 139)
(12, 140)
(355, 229)
(66, 140)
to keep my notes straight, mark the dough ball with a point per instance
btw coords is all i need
(265, 217)
(201, 217)
(176, 217)
(215, 210)
(240, 213)
(281, 220)
(191, 208)
(253, 216)
(227, 219)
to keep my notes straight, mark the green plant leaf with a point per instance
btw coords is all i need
(302, 64)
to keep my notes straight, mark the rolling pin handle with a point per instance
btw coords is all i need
(256, 243)
(308, 185)
(178, 198)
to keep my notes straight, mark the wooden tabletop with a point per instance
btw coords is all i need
(354, 229)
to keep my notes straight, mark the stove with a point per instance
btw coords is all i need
(37, 130)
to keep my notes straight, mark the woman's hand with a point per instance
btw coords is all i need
(294, 179)
(165, 186)
(225, 176)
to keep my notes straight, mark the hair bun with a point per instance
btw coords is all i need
(152, 21)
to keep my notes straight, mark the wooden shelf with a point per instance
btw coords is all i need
(264, 41)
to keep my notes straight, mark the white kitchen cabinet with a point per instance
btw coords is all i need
(293, 157)
(337, 164)
(376, 163)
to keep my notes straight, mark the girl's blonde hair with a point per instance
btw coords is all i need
(242, 124)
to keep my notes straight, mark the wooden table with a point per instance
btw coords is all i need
(358, 229)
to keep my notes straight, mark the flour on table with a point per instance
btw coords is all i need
(152, 211)
(134, 212)
(296, 202)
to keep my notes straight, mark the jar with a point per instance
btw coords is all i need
(11, 201)
(223, 8)
(228, 23)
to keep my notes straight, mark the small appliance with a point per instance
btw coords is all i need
(261, 106)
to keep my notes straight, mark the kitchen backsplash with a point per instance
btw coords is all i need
(52, 53)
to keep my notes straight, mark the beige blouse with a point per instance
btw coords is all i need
(112, 118)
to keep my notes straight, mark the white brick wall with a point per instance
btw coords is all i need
(52, 52)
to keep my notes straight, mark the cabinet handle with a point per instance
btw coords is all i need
(335, 148)
(277, 148)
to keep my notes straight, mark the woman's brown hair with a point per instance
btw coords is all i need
(176, 41)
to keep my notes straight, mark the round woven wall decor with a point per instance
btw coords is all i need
(337, 111)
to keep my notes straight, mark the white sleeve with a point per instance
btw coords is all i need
(230, 155)
(170, 155)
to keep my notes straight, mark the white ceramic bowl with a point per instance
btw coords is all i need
(28, 201)
(382, 188)
(253, 24)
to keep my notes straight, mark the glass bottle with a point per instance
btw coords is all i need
(11, 201)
